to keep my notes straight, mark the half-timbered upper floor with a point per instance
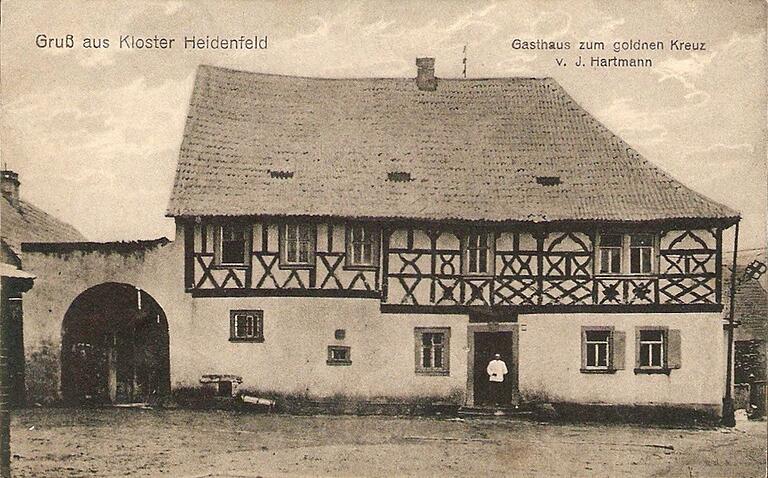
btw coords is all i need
(449, 267)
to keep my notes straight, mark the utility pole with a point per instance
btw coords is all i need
(729, 417)
(5, 414)
(464, 61)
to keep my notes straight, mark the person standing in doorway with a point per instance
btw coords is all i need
(496, 370)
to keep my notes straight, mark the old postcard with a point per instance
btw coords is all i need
(335, 238)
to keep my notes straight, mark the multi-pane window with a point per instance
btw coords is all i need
(362, 246)
(626, 253)
(597, 343)
(233, 244)
(610, 253)
(298, 245)
(640, 253)
(476, 253)
(246, 325)
(652, 347)
(602, 349)
(432, 350)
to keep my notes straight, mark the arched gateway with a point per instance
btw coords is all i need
(114, 347)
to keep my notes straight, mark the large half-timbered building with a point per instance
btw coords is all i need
(388, 236)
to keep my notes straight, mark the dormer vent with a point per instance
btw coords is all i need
(399, 177)
(548, 180)
(281, 174)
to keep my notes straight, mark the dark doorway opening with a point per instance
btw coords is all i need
(486, 345)
(114, 347)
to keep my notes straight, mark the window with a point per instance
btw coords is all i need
(362, 246)
(246, 326)
(602, 349)
(651, 348)
(298, 245)
(626, 253)
(476, 251)
(640, 253)
(233, 244)
(432, 350)
(658, 350)
(338, 355)
(597, 342)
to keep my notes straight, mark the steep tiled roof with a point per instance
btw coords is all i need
(28, 223)
(473, 149)
(751, 306)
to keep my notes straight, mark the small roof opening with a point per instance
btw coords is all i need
(399, 177)
(281, 174)
(548, 180)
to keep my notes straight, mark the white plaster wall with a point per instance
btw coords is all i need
(550, 360)
(297, 332)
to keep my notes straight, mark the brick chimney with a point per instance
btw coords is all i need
(9, 185)
(425, 76)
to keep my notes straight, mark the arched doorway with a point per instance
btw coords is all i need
(114, 347)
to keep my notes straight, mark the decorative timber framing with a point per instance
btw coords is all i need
(420, 267)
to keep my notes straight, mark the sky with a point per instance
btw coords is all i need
(95, 134)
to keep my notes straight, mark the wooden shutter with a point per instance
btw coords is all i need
(673, 349)
(583, 347)
(618, 349)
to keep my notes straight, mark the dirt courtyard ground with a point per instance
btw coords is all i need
(120, 442)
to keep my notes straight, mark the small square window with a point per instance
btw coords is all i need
(246, 326)
(339, 334)
(339, 355)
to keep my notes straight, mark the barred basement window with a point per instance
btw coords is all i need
(246, 326)
(432, 350)
(339, 355)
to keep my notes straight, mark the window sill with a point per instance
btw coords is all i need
(360, 267)
(433, 373)
(297, 267)
(598, 370)
(254, 339)
(338, 362)
(626, 275)
(230, 266)
(652, 371)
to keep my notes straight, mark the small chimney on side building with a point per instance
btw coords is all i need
(425, 76)
(9, 184)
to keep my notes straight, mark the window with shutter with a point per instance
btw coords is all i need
(657, 349)
(602, 349)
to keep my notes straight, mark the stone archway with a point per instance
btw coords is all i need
(114, 347)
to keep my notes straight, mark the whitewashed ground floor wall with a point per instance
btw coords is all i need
(383, 347)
